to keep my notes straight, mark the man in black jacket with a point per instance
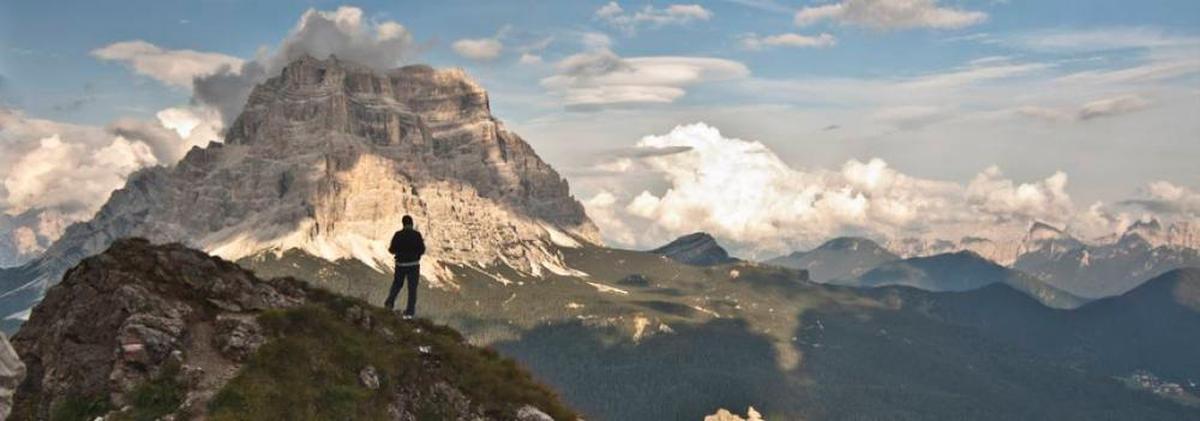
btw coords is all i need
(408, 246)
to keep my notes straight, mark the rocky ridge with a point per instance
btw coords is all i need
(143, 331)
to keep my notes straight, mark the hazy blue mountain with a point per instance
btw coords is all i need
(837, 259)
(1096, 271)
(1149, 328)
(961, 271)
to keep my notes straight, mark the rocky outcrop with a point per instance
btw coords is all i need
(137, 312)
(328, 156)
(12, 372)
(699, 249)
(724, 415)
(179, 326)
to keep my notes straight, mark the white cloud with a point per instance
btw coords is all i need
(890, 14)
(172, 67)
(743, 193)
(72, 169)
(980, 70)
(601, 78)
(755, 42)
(1166, 197)
(1097, 40)
(674, 14)
(342, 32)
(480, 49)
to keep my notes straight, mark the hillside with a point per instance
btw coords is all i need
(197, 336)
(644, 337)
(1143, 329)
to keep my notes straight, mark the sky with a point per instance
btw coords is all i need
(772, 124)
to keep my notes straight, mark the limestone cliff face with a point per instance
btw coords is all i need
(328, 156)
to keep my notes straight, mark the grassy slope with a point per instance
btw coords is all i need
(747, 334)
(309, 370)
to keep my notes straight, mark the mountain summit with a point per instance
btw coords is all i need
(327, 157)
(699, 249)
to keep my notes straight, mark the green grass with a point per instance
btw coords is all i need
(75, 408)
(155, 398)
(309, 370)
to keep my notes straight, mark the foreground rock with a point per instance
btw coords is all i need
(12, 371)
(146, 331)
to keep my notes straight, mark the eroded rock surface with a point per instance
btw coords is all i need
(147, 331)
(328, 156)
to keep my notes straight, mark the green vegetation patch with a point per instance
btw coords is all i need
(309, 370)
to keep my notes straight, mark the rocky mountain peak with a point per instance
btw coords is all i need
(1149, 231)
(699, 249)
(1047, 239)
(329, 155)
(851, 244)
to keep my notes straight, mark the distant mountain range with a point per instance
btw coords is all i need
(842, 258)
(1102, 270)
(1050, 263)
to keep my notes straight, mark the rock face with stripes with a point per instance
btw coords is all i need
(328, 156)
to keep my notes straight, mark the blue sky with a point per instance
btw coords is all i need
(1103, 91)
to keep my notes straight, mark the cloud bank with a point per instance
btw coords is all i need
(743, 193)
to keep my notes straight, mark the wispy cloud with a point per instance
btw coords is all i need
(890, 14)
(675, 14)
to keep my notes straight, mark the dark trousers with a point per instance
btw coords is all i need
(412, 274)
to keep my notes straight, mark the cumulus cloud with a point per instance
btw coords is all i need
(71, 169)
(755, 42)
(343, 32)
(175, 68)
(66, 167)
(1163, 197)
(890, 14)
(602, 78)
(742, 192)
(674, 14)
(478, 49)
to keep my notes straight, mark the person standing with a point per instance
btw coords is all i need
(407, 246)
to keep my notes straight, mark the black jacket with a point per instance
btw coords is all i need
(407, 245)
